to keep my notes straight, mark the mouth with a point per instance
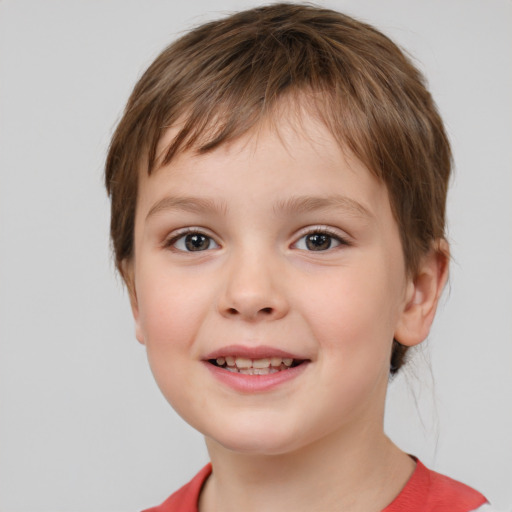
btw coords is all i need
(261, 366)
(255, 369)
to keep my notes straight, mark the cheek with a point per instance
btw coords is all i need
(170, 314)
(355, 315)
(171, 309)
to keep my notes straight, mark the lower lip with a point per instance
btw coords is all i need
(255, 383)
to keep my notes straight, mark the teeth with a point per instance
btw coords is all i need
(257, 371)
(243, 362)
(261, 371)
(253, 371)
(261, 363)
(263, 366)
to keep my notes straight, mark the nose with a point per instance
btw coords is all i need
(253, 289)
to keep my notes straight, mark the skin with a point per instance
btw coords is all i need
(259, 283)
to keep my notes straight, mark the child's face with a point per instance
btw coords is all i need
(294, 252)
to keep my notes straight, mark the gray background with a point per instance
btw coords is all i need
(82, 425)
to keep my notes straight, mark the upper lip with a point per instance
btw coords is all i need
(254, 352)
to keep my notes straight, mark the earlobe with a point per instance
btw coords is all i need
(422, 296)
(127, 272)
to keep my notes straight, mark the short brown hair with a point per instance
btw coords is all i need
(225, 76)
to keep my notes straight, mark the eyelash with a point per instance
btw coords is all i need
(322, 230)
(170, 243)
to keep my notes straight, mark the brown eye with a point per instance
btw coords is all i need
(318, 242)
(193, 242)
(197, 242)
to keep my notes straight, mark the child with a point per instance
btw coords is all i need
(278, 186)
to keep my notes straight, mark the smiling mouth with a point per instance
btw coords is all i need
(263, 366)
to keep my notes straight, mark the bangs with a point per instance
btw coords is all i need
(233, 75)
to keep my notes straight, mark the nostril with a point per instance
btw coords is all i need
(267, 311)
(232, 311)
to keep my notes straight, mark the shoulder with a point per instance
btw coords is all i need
(445, 490)
(185, 499)
(428, 491)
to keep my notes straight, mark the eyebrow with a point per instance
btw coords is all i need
(187, 204)
(305, 204)
(292, 205)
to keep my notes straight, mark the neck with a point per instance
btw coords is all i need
(352, 473)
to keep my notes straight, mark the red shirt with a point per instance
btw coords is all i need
(425, 491)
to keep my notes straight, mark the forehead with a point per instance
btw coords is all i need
(293, 155)
(294, 120)
(306, 112)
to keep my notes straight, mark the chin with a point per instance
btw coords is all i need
(252, 445)
(253, 438)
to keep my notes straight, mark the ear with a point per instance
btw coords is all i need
(422, 296)
(128, 275)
